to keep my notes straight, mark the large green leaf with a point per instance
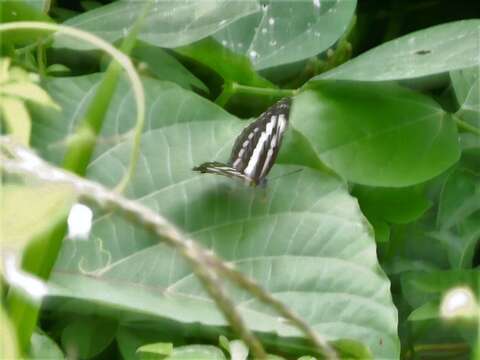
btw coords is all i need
(376, 134)
(303, 237)
(229, 65)
(431, 51)
(284, 32)
(165, 67)
(169, 23)
(458, 221)
(384, 206)
(396, 205)
(466, 84)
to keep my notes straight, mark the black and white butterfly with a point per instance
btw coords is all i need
(256, 148)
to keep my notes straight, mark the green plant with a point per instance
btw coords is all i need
(354, 256)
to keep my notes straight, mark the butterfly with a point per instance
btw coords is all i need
(256, 148)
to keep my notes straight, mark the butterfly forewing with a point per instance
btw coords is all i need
(256, 148)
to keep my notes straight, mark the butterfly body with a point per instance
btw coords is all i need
(256, 148)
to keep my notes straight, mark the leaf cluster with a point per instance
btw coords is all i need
(367, 243)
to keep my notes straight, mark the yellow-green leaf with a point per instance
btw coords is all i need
(17, 119)
(28, 211)
(4, 65)
(28, 91)
(8, 343)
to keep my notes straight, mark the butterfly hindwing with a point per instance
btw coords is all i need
(256, 148)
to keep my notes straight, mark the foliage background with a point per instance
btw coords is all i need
(363, 243)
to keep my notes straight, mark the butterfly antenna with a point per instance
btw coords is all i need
(286, 174)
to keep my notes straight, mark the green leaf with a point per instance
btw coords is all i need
(459, 198)
(169, 23)
(88, 336)
(16, 119)
(165, 67)
(274, 357)
(466, 84)
(155, 351)
(43, 347)
(28, 91)
(421, 287)
(16, 87)
(428, 311)
(90, 5)
(22, 10)
(229, 65)
(458, 220)
(303, 238)
(412, 247)
(431, 51)
(29, 211)
(58, 69)
(236, 348)
(284, 32)
(376, 134)
(196, 352)
(395, 205)
(8, 342)
(37, 4)
(470, 143)
(353, 350)
(129, 339)
(381, 228)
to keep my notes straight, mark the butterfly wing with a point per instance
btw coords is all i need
(222, 169)
(256, 148)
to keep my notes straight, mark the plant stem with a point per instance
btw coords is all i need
(225, 95)
(41, 59)
(237, 88)
(206, 265)
(466, 126)
(476, 350)
(96, 194)
(46, 6)
(452, 347)
(25, 314)
(38, 259)
(79, 154)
